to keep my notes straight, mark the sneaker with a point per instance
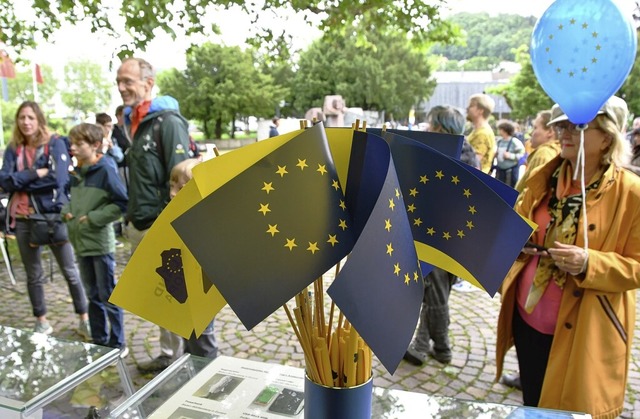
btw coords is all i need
(441, 357)
(156, 365)
(414, 356)
(119, 244)
(463, 286)
(84, 330)
(43, 327)
(124, 351)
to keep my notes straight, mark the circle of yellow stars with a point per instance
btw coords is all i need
(407, 276)
(417, 221)
(590, 52)
(273, 229)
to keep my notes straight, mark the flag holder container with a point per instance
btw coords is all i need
(337, 402)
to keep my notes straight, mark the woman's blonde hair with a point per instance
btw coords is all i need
(43, 135)
(619, 151)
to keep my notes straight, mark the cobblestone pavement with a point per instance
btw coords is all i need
(469, 376)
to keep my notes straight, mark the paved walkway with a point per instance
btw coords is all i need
(469, 376)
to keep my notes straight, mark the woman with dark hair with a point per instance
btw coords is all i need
(35, 171)
(508, 154)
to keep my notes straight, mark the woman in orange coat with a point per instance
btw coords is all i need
(570, 309)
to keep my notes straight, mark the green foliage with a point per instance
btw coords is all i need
(486, 36)
(630, 90)
(219, 85)
(21, 88)
(523, 93)
(386, 75)
(141, 19)
(87, 87)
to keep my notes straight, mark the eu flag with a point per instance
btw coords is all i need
(458, 222)
(274, 228)
(380, 287)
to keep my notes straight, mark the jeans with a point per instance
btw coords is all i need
(434, 313)
(32, 261)
(98, 275)
(171, 345)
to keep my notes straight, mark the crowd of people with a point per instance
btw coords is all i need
(568, 302)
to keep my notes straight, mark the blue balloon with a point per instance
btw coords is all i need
(581, 52)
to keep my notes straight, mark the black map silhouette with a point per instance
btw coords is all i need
(172, 274)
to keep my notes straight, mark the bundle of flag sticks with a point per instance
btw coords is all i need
(334, 358)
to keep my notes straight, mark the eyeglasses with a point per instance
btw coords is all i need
(572, 129)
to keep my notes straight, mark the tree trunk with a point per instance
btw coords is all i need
(205, 130)
(219, 128)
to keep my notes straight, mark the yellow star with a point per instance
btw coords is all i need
(302, 164)
(455, 180)
(584, 69)
(594, 34)
(558, 70)
(335, 184)
(282, 170)
(387, 224)
(397, 193)
(411, 208)
(572, 21)
(560, 26)
(413, 192)
(291, 243)
(264, 209)
(407, 279)
(551, 36)
(439, 174)
(417, 222)
(594, 60)
(313, 247)
(343, 224)
(470, 225)
(472, 209)
(424, 179)
(550, 62)
(446, 235)
(332, 239)
(598, 47)
(571, 73)
(467, 193)
(390, 249)
(396, 269)
(415, 276)
(431, 231)
(585, 25)
(460, 234)
(273, 229)
(392, 204)
(268, 187)
(322, 168)
(342, 205)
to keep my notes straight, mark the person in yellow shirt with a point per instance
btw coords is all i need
(482, 138)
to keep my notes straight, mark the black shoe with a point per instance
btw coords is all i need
(441, 357)
(414, 357)
(511, 380)
(156, 365)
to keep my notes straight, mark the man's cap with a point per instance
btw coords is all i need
(615, 109)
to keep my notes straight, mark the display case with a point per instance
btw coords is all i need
(41, 375)
(230, 387)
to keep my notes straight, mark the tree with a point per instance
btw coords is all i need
(630, 90)
(21, 88)
(387, 75)
(141, 19)
(524, 94)
(219, 85)
(87, 87)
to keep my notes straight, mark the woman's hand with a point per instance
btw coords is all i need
(569, 258)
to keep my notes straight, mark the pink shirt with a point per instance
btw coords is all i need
(544, 316)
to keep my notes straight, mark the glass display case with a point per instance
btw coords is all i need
(41, 375)
(178, 389)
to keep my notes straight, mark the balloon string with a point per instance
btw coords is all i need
(580, 166)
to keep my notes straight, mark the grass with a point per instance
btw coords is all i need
(240, 135)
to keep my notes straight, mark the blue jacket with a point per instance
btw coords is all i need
(49, 192)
